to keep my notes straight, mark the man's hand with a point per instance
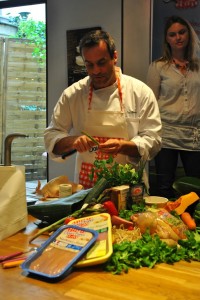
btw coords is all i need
(115, 146)
(111, 146)
(83, 143)
(80, 143)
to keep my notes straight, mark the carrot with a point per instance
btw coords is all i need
(188, 220)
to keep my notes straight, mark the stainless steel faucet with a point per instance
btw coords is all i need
(7, 147)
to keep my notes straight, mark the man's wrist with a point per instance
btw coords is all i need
(129, 148)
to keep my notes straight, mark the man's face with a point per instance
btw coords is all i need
(100, 66)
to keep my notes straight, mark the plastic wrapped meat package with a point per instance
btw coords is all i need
(162, 223)
(57, 256)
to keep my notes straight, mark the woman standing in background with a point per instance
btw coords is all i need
(175, 80)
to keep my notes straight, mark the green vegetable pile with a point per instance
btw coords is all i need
(150, 250)
(115, 173)
(135, 208)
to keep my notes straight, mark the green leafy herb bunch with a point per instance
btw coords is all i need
(116, 174)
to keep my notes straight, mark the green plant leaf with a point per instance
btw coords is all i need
(117, 174)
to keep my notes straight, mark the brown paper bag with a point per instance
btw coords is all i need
(13, 207)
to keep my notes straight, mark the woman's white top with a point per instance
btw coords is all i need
(178, 99)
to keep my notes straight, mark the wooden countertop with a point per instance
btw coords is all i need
(165, 282)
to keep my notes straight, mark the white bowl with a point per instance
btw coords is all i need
(156, 201)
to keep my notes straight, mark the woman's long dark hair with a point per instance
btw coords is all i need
(191, 49)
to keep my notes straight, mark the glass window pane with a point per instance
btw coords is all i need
(23, 88)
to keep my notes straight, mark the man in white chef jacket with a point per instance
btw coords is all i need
(119, 111)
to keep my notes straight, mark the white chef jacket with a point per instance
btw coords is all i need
(140, 107)
(178, 98)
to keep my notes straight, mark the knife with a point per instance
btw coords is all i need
(68, 153)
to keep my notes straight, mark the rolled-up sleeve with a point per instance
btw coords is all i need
(148, 139)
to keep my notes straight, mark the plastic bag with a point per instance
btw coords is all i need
(162, 223)
(13, 207)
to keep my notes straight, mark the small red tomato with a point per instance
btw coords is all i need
(130, 228)
(68, 219)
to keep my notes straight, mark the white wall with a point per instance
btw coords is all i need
(63, 15)
(136, 45)
(137, 39)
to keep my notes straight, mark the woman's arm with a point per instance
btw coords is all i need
(153, 78)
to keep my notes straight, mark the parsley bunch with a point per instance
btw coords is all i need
(116, 174)
(149, 251)
(135, 208)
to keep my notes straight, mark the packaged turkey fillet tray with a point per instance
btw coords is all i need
(102, 248)
(57, 256)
